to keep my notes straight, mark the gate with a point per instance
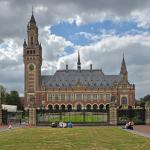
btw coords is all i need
(77, 117)
(136, 115)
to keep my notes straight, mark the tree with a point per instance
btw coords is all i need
(144, 100)
(2, 94)
(13, 98)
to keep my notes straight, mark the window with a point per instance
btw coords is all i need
(124, 100)
(101, 97)
(69, 97)
(84, 96)
(94, 96)
(78, 96)
(108, 97)
(62, 96)
(49, 96)
(53, 97)
(56, 97)
(88, 96)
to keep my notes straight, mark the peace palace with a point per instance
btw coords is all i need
(70, 89)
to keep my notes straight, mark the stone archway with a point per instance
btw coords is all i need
(63, 107)
(79, 107)
(101, 106)
(56, 107)
(88, 107)
(50, 107)
(69, 107)
(95, 107)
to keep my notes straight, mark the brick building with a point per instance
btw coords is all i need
(69, 88)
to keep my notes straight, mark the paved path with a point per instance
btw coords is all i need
(5, 128)
(143, 130)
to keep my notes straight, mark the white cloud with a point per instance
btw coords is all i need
(53, 46)
(89, 36)
(142, 18)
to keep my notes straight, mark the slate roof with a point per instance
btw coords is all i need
(85, 78)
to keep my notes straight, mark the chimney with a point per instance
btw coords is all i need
(90, 67)
(66, 67)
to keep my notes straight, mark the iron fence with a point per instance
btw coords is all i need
(136, 115)
(74, 116)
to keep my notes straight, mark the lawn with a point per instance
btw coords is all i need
(77, 138)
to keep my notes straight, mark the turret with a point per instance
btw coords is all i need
(78, 63)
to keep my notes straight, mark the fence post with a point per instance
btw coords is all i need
(147, 113)
(113, 113)
(32, 116)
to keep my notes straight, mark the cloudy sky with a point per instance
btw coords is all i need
(101, 29)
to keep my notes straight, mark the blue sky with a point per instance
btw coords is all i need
(71, 31)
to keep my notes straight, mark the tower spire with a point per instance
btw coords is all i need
(123, 71)
(123, 66)
(32, 10)
(32, 20)
(78, 63)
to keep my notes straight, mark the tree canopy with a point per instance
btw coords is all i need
(10, 98)
(144, 100)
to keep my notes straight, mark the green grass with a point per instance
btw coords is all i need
(78, 138)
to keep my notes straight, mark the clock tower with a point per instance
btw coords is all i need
(32, 54)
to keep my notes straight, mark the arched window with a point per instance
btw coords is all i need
(79, 107)
(124, 100)
(62, 107)
(69, 107)
(56, 107)
(50, 107)
(88, 107)
(95, 107)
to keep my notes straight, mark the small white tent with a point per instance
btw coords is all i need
(9, 108)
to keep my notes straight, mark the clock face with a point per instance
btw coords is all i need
(31, 67)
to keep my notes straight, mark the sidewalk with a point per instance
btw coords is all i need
(142, 130)
(5, 127)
